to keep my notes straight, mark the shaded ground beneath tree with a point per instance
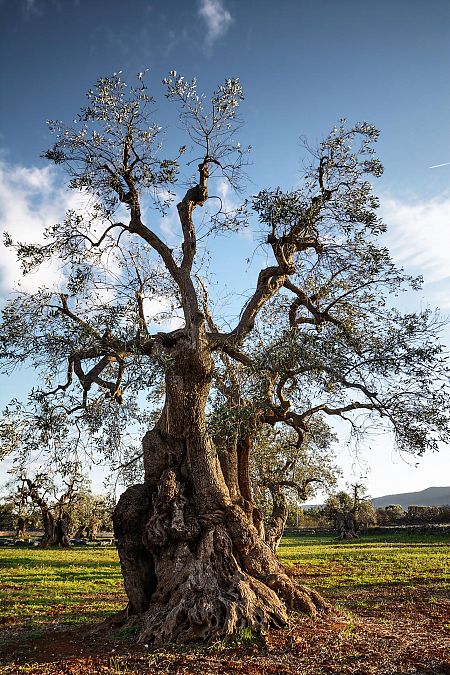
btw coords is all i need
(389, 630)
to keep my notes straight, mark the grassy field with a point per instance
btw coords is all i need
(382, 586)
(58, 586)
(371, 561)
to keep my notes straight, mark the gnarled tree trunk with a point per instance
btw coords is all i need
(61, 532)
(48, 538)
(345, 525)
(278, 517)
(79, 533)
(92, 529)
(194, 564)
(21, 527)
(55, 531)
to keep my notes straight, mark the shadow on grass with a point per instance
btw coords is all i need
(39, 561)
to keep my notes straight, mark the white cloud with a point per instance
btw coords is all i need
(225, 192)
(35, 8)
(217, 19)
(169, 224)
(169, 227)
(229, 203)
(30, 201)
(32, 179)
(157, 306)
(419, 236)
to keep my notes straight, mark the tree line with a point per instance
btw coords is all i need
(61, 511)
(368, 515)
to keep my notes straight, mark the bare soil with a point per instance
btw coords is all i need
(388, 631)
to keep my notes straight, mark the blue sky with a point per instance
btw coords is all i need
(303, 65)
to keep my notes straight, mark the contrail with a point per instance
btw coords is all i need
(436, 166)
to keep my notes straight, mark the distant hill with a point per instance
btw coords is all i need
(432, 496)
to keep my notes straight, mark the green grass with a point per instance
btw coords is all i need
(396, 581)
(371, 561)
(60, 586)
(39, 587)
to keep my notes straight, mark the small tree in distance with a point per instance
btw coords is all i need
(8, 515)
(55, 508)
(393, 514)
(350, 513)
(314, 337)
(66, 505)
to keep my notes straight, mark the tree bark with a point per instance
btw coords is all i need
(79, 534)
(278, 517)
(48, 538)
(194, 564)
(345, 526)
(21, 527)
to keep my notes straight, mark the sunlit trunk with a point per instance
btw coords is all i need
(195, 566)
(278, 517)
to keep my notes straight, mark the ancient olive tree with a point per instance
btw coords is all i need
(56, 501)
(314, 337)
(291, 472)
(350, 512)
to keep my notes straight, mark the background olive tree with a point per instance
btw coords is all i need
(285, 473)
(349, 513)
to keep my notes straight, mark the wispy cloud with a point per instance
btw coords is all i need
(436, 166)
(419, 235)
(31, 199)
(230, 203)
(217, 19)
(35, 8)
